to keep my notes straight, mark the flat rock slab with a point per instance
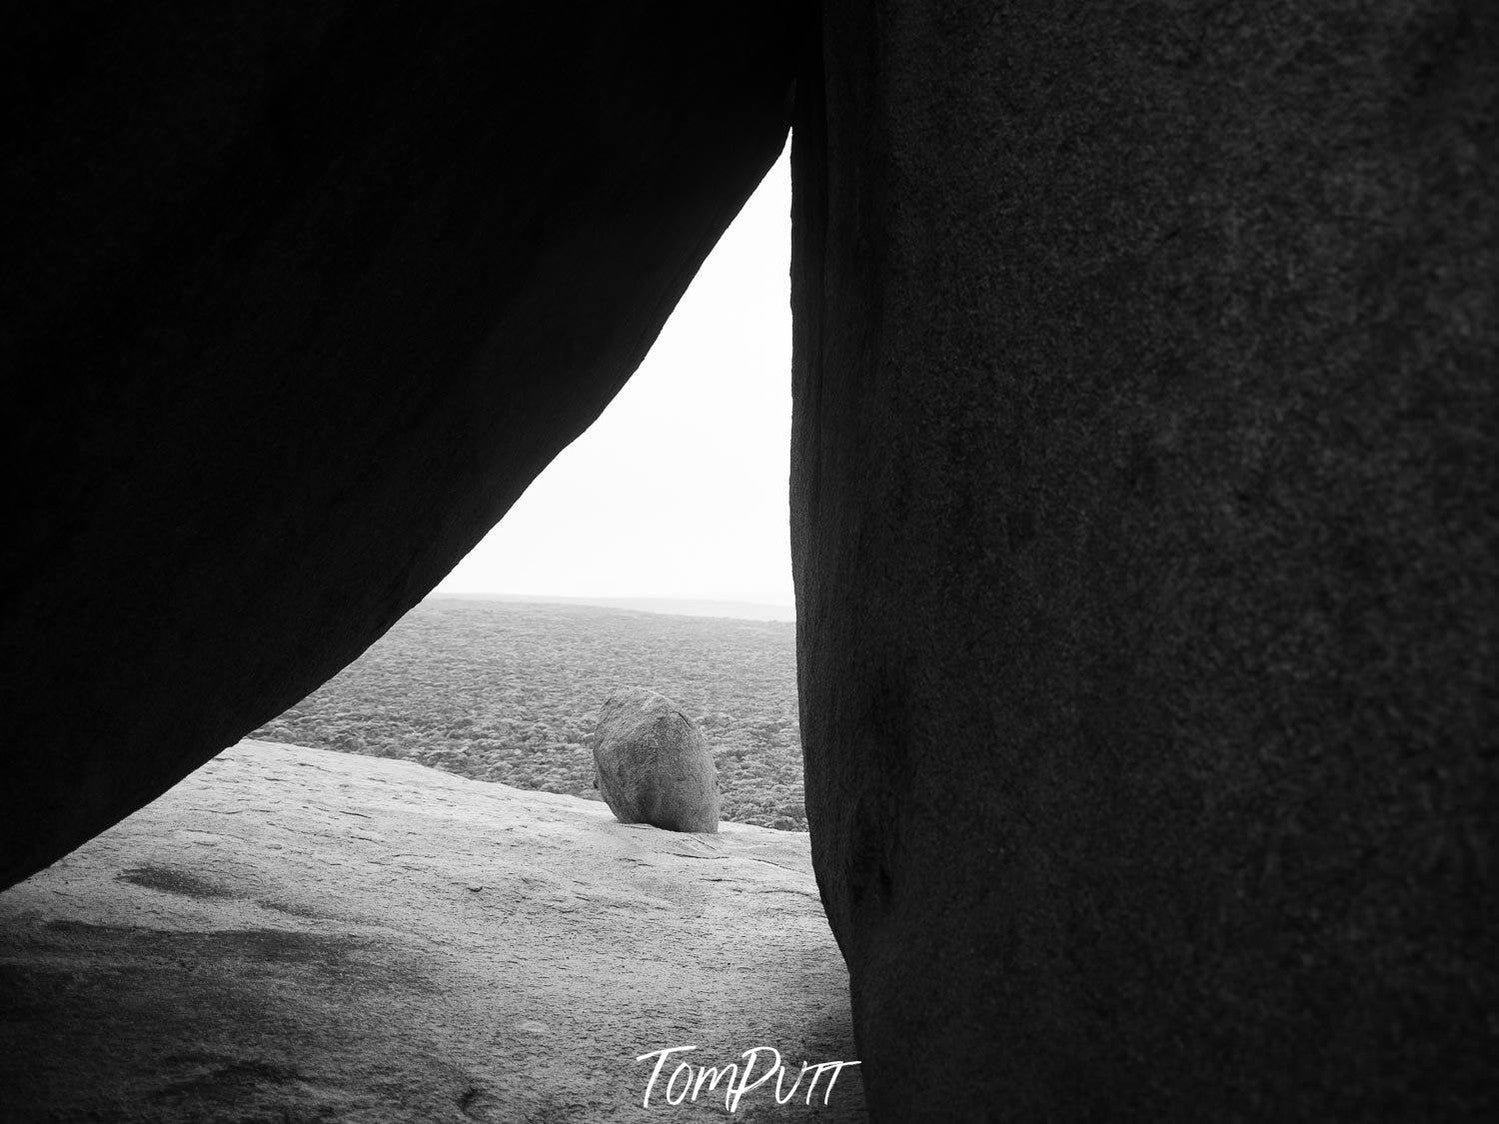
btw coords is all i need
(297, 934)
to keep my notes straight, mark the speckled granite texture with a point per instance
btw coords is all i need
(1144, 511)
(296, 934)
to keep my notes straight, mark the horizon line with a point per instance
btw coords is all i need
(747, 599)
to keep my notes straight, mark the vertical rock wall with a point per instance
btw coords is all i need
(1143, 486)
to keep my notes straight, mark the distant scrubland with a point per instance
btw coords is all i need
(498, 691)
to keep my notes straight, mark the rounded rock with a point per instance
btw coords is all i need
(652, 765)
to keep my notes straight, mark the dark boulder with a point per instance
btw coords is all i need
(653, 765)
(1144, 525)
(295, 305)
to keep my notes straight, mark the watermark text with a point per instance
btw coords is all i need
(688, 1081)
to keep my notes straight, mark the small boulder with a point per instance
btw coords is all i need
(652, 764)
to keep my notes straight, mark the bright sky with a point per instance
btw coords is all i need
(680, 489)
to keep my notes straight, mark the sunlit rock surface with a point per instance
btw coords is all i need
(299, 934)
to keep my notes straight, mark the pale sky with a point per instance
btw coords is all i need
(680, 488)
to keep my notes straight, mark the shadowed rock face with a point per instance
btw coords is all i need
(652, 763)
(1144, 529)
(296, 304)
(1142, 490)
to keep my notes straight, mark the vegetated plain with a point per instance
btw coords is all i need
(500, 691)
